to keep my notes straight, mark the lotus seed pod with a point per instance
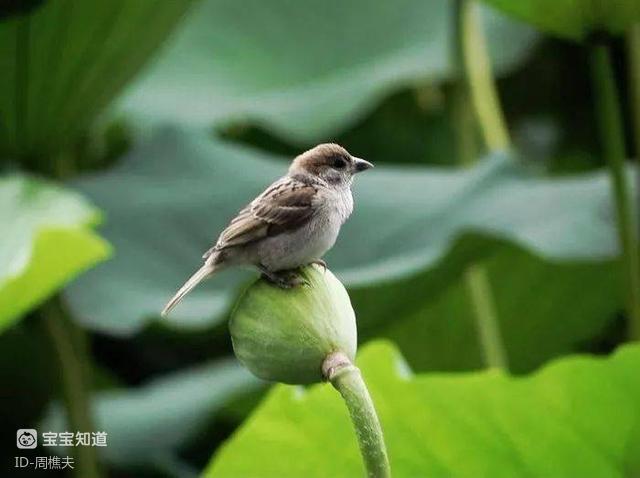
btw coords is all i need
(284, 335)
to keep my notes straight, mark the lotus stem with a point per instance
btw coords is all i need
(471, 52)
(609, 118)
(70, 345)
(347, 379)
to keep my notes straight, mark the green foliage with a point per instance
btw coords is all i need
(146, 425)
(576, 417)
(305, 71)
(574, 19)
(544, 310)
(47, 241)
(278, 76)
(65, 61)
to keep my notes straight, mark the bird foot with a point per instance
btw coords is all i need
(320, 263)
(284, 279)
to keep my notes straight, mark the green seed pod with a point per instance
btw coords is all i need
(284, 335)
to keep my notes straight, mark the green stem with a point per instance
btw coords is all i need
(472, 51)
(23, 50)
(633, 42)
(70, 345)
(612, 138)
(484, 94)
(476, 277)
(479, 287)
(346, 378)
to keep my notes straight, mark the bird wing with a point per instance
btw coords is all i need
(286, 204)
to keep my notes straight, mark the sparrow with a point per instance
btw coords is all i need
(293, 223)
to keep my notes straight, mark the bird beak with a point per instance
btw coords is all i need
(361, 165)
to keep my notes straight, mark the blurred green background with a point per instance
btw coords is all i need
(485, 248)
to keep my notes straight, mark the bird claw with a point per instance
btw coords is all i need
(293, 279)
(285, 279)
(321, 263)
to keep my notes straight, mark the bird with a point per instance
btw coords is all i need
(293, 223)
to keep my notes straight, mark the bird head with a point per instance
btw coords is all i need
(330, 162)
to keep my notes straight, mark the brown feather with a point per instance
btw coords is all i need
(286, 204)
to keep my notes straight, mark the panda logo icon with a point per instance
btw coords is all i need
(27, 438)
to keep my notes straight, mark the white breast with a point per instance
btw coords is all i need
(302, 246)
(343, 203)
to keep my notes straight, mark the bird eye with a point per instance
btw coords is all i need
(339, 162)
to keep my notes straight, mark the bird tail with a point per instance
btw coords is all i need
(201, 274)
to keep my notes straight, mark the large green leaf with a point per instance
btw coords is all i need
(304, 69)
(580, 416)
(544, 310)
(47, 240)
(65, 60)
(574, 19)
(147, 424)
(162, 213)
